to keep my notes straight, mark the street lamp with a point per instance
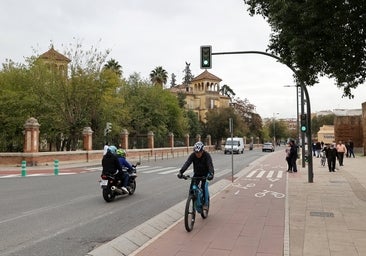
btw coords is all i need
(274, 129)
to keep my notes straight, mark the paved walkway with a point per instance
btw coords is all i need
(326, 217)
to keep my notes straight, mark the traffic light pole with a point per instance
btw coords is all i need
(308, 110)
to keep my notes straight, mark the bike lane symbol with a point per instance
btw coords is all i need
(273, 193)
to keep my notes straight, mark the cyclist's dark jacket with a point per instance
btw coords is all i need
(110, 164)
(201, 166)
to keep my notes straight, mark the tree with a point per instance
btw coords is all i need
(247, 112)
(227, 91)
(113, 65)
(218, 124)
(188, 77)
(173, 81)
(317, 42)
(159, 76)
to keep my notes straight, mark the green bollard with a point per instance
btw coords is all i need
(24, 170)
(55, 170)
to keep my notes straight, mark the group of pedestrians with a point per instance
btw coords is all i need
(337, 151)
(331, 151)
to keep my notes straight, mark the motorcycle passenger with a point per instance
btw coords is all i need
(121, 154)
(111, 164)
(202, 167)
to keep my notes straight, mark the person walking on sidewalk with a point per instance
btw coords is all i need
(202, 167)
(288, 160)
(341, 150)
(351, 146)
(293, 155)
(331, 155)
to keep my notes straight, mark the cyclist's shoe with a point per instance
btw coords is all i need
(205, 207)
(124, 189)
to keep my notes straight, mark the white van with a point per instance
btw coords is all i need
(236, 145)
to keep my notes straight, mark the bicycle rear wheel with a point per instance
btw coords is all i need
(189, 213)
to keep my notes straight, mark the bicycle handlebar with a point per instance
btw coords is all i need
(186, 177)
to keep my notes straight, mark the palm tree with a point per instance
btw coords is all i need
(159, 76)
(114, 66)
(227, 91)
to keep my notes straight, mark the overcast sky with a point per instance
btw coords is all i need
(144, 34)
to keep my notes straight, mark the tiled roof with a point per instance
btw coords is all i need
(205, 75)
(52, 54)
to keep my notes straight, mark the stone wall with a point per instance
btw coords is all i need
(47, 158)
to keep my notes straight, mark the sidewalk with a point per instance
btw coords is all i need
(326, 217)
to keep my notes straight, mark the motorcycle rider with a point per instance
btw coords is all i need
(121, 155)
(202, 167)
(111, 165)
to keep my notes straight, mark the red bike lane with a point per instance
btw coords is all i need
(246, 218)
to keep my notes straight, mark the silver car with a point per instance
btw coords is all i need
(268, 146)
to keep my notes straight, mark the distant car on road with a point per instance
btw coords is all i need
(268, 146)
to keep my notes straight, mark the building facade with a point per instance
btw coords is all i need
(203, 94)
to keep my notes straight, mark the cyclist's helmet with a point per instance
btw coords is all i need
(112, 149)
(121, 152)
(198, 147)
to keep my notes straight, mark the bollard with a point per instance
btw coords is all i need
(55, 170)
(24, 170)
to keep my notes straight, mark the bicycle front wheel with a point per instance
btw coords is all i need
(189, 213)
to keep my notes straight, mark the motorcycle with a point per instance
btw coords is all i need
(112, 186)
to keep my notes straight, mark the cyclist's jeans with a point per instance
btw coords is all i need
(204, 187)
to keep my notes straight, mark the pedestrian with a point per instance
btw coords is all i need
(293, 155)
(318, 148)
(341, 150)
(331, 155)
(288, 160)
(351, 146)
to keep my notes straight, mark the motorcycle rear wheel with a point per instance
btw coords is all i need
(108, 195)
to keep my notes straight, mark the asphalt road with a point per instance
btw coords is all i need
(66, 215)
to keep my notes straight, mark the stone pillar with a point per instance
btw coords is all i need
(208, 140)
(124, 139)
(87, 138)
(187, 140)
(171, 140)
(198, 137)
(31, 136)
(245, 140)
(150, 140)
(257, 140)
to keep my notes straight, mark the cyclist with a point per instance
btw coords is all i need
(202, 167)
(121, 154)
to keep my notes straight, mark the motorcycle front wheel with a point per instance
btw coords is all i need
(132, 187)
(108, 195)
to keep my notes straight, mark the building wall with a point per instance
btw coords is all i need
(364, 127)
(349, 128)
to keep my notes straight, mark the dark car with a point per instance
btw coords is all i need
(268, 146)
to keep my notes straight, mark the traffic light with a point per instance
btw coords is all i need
(206, 57)
(108, 129)
(304, 126)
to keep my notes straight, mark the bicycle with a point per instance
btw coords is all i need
(195, 202)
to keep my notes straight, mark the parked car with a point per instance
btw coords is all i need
(268, 146)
